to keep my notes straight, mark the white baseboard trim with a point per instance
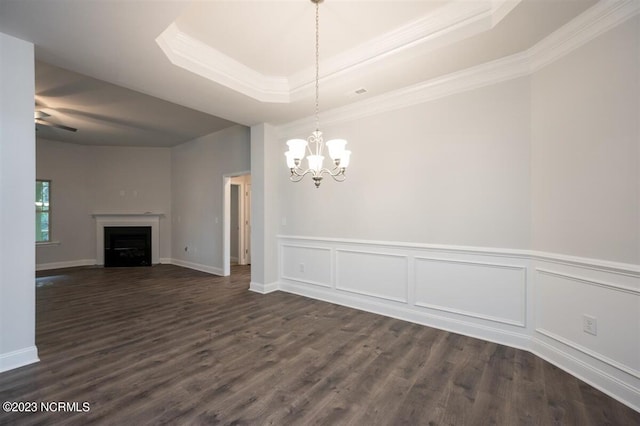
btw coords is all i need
(19, 358)
(588, 373)
(165, 261)
(67, 264)
(263, 288)
(197, 267)
(419, 290)
(406, 313)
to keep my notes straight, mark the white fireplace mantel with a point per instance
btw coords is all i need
(128, 219)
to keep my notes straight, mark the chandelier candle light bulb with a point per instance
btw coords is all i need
(314, 143)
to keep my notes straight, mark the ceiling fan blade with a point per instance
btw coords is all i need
(57, 126)
(38, 115)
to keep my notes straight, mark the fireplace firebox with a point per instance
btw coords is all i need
(127, 246)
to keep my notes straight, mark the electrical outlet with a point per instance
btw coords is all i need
(301, 266)
(590, 324)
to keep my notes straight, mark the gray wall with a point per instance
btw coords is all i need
(198, 168)
(100, 179)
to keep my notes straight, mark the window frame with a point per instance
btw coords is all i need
(48, 211)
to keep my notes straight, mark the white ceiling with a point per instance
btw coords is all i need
(251, 47)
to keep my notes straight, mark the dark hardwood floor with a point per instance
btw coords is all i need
(167, 345)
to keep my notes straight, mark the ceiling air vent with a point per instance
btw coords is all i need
(357, 92)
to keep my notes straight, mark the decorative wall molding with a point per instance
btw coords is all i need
(508, 290)
(323, 262)
(511, 337)
(516, 286)
(19, 358)
(594, 22)
(387, 273)
(67, 264)
(588, 281)
(606, 360)
(618, 268)
(588, 372)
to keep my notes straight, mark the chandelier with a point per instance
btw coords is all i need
(314, 144)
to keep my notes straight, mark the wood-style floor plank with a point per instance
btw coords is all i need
(168, 345)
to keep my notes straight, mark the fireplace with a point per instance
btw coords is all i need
(104, 220)
(127, 246)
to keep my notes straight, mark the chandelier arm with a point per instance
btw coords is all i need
(336, 171)
(333, 173)
(304, 173)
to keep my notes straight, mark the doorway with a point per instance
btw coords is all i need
(237, 221)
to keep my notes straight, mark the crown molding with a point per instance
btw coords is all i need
(595, 21)
(446, 25)
(452, 22)
(193, 55)
(471, 78)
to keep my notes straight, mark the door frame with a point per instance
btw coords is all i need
(226, 222)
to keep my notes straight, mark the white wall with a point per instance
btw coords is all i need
(100, 179)
(266, 158)
(17, 213)
(507, 213)
(585, 152)
(198, 168)
(585, 195)
(453, 171)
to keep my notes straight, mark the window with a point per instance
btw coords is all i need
(43, 211)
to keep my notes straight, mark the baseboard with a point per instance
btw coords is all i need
(18, 358)
(67, 264)
(405, 313)
(588, 373)
(197, 266)
(263, 288)
(457, 288)
(165, 261)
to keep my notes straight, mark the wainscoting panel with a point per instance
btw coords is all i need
(380, 275)
(306, 264)
(564, 299)
(488, 291)
(526, 299)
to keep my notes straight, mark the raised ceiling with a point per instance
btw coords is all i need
(260, 67)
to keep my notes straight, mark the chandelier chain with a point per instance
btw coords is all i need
(317, 66)
(314, 144)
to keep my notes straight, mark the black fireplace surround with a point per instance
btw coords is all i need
(127, 246)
